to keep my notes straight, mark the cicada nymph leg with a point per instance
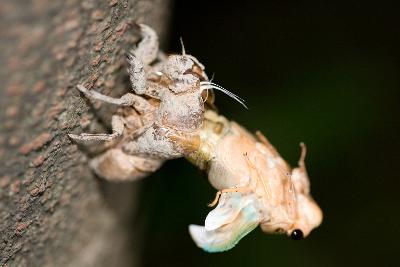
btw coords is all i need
(147, 49)
(137, 102)
(142, 60)
(117, 124)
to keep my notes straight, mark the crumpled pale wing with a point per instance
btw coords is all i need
(229, 207)
(228, 235)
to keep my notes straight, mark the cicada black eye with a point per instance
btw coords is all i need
(297, 234)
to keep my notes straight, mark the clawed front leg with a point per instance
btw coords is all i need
(137, 74)
(147, 49)
(117, 124)
(142, 57)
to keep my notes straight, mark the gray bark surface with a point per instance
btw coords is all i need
(53, 211)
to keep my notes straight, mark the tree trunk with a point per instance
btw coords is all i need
(53, 211)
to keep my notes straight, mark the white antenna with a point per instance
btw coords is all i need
(210, 85)
(183, 47)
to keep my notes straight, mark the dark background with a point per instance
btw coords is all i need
(325, 74)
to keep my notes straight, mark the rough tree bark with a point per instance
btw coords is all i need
(53, 212)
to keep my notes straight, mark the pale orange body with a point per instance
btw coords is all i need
(253, 179)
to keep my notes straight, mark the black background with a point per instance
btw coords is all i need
(323, 73)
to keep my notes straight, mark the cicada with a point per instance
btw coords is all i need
(169, 115)
(255, 187)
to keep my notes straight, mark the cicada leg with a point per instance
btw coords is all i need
(243, 189)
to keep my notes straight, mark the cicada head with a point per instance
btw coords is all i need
(298, 214)
(185, 73)
(308, 213)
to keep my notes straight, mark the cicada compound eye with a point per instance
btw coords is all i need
(297, 234)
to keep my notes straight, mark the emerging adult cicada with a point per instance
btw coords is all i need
(256, 187)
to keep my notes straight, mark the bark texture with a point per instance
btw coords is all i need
(53, 212)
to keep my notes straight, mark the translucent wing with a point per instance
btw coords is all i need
(224, 232)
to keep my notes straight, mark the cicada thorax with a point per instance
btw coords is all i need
(180, 117)
(184, 112)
